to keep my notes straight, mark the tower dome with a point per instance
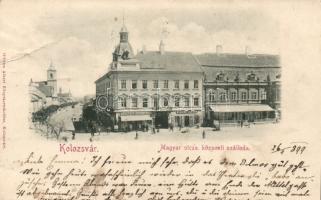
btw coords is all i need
(123, 50)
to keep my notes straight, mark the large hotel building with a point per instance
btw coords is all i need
(163, 88)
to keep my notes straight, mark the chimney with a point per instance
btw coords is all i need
(144, 49)
(248, 50)
(161, 47)
(219, 49)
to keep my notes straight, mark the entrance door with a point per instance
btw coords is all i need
(186, 120)
(161, 119)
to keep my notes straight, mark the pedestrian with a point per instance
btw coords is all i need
(171, 127)
(136, 135)
(203, 135)
(98, 125)
(91, 129)
(73, 135)
(241, 123)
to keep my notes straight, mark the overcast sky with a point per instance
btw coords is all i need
(79, 38)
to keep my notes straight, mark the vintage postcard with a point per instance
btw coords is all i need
(160, 100)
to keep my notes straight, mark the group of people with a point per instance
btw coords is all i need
(242, 123)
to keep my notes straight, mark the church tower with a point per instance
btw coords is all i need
(52, 79)
(123, 50)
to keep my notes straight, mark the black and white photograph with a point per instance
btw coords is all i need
(160, 100)
(157, 72)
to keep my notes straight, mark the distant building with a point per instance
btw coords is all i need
(88, 98)
(64, 97)
(44, 93)
(240, 87)
(152, 88)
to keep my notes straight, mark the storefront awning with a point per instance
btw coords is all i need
(136, 118)
(241, 108)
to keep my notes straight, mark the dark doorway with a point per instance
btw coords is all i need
(161, 119)
(186, 120)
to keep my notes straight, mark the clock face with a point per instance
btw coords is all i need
(102, 102)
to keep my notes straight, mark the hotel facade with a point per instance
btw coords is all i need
(163, 88)
(152, 88)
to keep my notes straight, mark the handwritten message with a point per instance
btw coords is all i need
(167, 176)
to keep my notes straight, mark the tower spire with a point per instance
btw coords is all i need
(51, 66)
(123, 32)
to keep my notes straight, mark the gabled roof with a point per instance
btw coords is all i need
(168, 61)
(238, 60)
(46, 90)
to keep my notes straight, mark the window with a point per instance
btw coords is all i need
(243, 95)
(253, 95)
(108, 84)
(195, 84)
(165, 101)
(134, 84)
(134, 102)
(155, 84)
(277, 94)
(263, 95)
(166, 84)
(222, 96)
(155, 101)
(211, 96)
(233, 95)
(123, 84)
(144, 84)
(186, 101)
(186, 84)
(177, 99)
(196, 119)
(196, 103)
(145, 102)
(176, 84)
(123, 102)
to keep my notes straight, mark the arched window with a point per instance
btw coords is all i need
(176, 101)
(134, 102)
(122, 102)
(186, 101)
(145, 102)
(165, 101)
(156, 101)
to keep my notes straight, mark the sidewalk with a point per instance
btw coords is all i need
(191, 134)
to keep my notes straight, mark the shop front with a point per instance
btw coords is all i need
(238, 113)
(134, 121)
(186, 118)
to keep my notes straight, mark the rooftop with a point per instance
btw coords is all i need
(46, 90)
(238, 60)
(168, 61)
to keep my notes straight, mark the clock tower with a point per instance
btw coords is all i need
(52, 79)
